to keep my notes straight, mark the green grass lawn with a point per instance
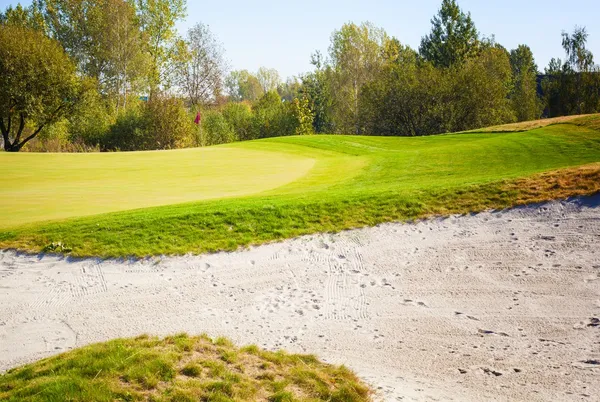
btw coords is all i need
(180, 369)
(258, 191)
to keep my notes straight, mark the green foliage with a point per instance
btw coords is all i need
(38, 84)
(128, 132)
(239, 118)
(146, 368)
(414, 98)
(300, 109)
(453, 38)
(272, 117)
(479, 92)
(158, 19)
(162, 123)
(356, 57)
(169, 124)
(215, 129)
(243, 86)
(31, 17)
(290, 89)
(103, 37)
(573, 87)
(525, 101)
(91, 119)
(317, 90)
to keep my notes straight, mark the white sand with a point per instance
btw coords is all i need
(497, 306)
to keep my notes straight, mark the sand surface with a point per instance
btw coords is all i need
(495, 306)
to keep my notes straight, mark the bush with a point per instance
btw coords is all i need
(168, 124)
(91, 120)
(215, 130)
(128, 132)
(239, 117)
(272, 117)
(162, 123)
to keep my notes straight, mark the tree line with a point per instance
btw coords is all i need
(79, 75)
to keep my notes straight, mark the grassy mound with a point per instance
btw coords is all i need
(354, 181)
(180, 368)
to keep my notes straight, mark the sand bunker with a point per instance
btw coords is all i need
(500, 306)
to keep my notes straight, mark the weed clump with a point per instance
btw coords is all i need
(180, 368)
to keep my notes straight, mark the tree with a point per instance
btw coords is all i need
(579, 58)
(103, 37)
(272, 117)
(201, 76)
(453, 37)
(38, 84)
(268, 78)
(479, 92)
(526, 103)
(158, 19)
(290, 89)
(243, 86)
(316, 89)
(404, 99)
(572, 87)
(29, 17)
(300, 109)
(356, 57)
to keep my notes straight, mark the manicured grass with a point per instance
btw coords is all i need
(37, 187)
(180, 368)
(355, 181)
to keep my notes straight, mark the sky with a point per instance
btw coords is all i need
(283, 34)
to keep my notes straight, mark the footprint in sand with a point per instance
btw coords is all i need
(410, 302)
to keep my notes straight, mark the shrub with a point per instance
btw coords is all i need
(168, 124)
(91, 120)
(162, 123)
(239, 117)
(215, 130)
(128, 132)
(272, 117)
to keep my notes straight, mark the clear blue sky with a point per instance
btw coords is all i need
(282, 34)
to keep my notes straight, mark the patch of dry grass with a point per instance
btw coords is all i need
(180, 368)
(531, 125)
(543, 187)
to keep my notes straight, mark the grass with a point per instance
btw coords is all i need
(529, 125)
(55, 186)
(180, 368)
(354, 181)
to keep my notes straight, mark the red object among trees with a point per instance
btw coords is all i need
(198, 118)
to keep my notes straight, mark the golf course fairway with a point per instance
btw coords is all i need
(224, 197)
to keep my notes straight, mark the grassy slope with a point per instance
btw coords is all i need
(356, 181)
(180, 368)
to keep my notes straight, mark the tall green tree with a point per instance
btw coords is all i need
(480, 91)
(316, 89)
(453, 37)
(38, 84)
(356, 57)
(29, 17)
(158, 20)
(103, 37)
(526, 103)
